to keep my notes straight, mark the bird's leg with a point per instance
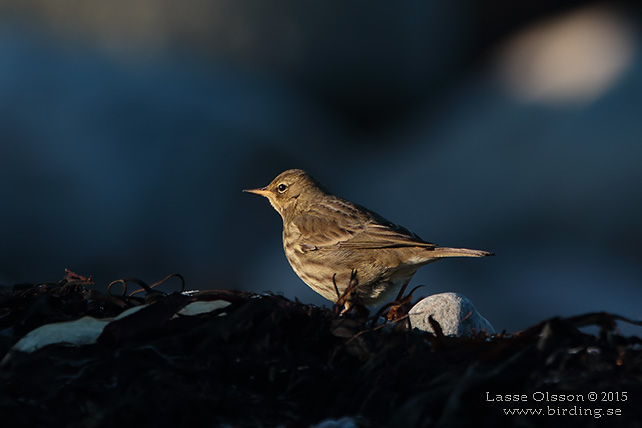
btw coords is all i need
(349, 297)
(395, 307)
(401, 306)
(401, 291)
(336, 289)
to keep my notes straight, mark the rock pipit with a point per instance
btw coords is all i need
(326, 238)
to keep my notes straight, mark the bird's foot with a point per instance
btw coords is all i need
(401, 306)
(349, 299)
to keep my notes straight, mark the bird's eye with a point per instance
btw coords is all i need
(282, 187)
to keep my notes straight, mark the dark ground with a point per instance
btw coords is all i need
(267, 361)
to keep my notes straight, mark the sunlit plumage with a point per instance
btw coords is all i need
(325, 236)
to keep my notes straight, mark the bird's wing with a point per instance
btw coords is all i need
(375, 235)
(354, 227)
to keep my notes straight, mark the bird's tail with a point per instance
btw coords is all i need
(459, 252)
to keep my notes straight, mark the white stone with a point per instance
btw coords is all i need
(454, 312)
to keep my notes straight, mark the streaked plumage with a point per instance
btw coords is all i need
(324, 236)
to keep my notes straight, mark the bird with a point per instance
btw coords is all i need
(331, 242)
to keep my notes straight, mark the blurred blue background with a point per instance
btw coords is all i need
(128, 130)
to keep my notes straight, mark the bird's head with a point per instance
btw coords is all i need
(289, 190)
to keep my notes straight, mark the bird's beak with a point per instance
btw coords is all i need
(263, 191)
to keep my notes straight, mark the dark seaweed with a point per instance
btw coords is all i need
(267, 361)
